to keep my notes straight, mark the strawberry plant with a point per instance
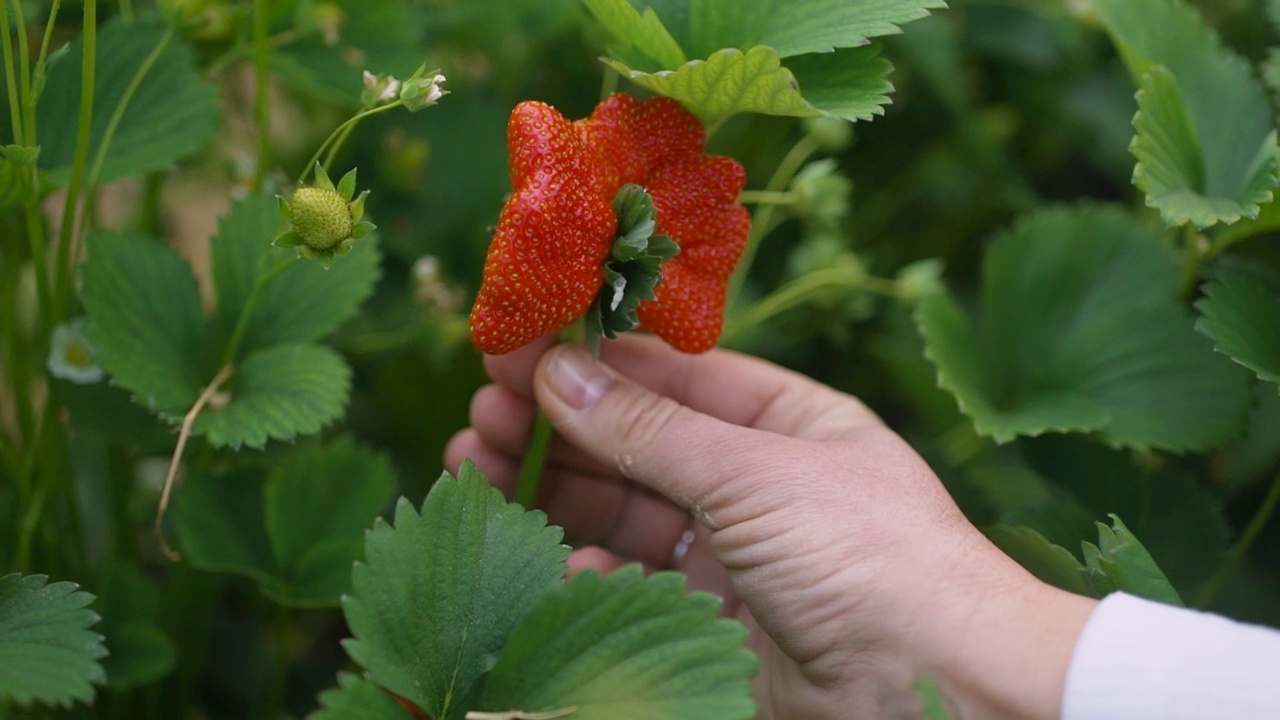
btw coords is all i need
(251, 252)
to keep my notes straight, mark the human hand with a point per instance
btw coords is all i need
(822, 529)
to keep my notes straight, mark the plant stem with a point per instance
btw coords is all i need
(536, 450)
(63, 268)
(767, 197)
(261, 23)
(35, 218)
(804, 288)
(242, 49)
(126, 11)
(10, 75)
(183, 435)
(1251, 531)
(608, 83)
(337, 145)
(44, 45)
(339, 134)
(761, 224)
(117, 114)
(535, 460)
(24, 51)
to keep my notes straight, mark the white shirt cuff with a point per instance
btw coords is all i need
(1140, 660)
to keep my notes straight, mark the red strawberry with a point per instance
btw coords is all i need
(544, 264)
(697, 206)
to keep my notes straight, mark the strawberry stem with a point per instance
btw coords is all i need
(535, 455)
(762, 223)
(535, 460)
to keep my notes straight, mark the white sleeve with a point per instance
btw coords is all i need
(1141, 660)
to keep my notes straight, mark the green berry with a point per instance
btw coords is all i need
(321, 218)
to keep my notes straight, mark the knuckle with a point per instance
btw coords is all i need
(644, 421)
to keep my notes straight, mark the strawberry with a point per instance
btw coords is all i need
(544, 266)
(697, 206)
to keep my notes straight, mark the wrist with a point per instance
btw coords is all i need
(1001, 646)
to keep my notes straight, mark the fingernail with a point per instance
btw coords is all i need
(576, 378)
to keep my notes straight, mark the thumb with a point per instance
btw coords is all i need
(700, 462)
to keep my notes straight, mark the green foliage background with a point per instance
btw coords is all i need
(1046, 255)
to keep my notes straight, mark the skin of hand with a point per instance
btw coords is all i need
(822, 530)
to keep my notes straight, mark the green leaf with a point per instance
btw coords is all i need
(221, 524)
(278, 393)
(318, 503)
(1022, 497)
(304, 303)
(640, 36)
(849, 84)
(140, 652)
(1117, 563)
(1241, 313)
(791, 27)
(1080, 332)
(47, 653)
(1051, 563)
(17, 164)
(381, 37)
(1181, 523)
(625, 647)
(1206, 138)
(144, 320)
(172, 112)
(295, 532)
(356, 698)
(1120, 562)
(440, 592)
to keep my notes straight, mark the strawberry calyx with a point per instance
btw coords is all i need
(633, 268)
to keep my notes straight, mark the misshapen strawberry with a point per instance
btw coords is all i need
(544, 265)
(697, 206)
(543, 268)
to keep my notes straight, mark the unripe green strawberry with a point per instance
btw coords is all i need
(324, 220)
(320, 217)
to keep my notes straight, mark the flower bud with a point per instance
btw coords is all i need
(422, 89)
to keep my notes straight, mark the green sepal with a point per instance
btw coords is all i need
(287, 239)
(357, 206)
(633, 268)
(361, 229)
(347, 185)
(322, 179)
